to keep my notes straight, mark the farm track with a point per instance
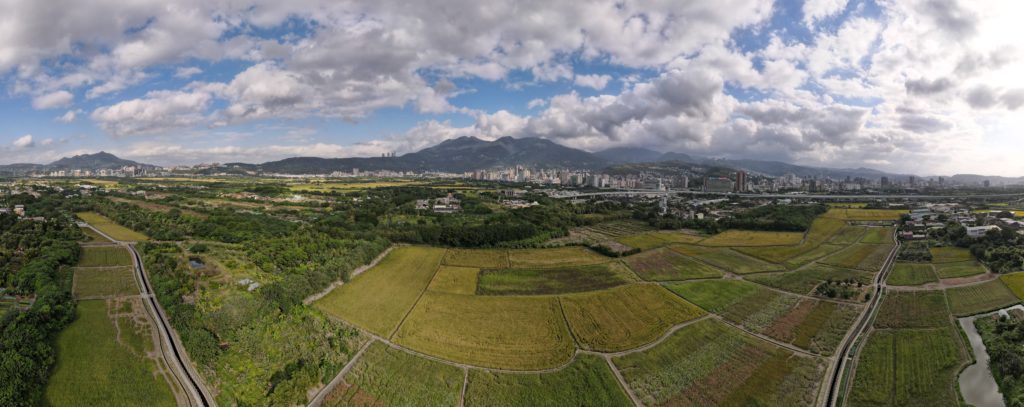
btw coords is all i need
(356, 272)
(170, 345)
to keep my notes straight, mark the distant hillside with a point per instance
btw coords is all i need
(99, 161)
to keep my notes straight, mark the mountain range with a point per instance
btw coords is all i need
(98, 161)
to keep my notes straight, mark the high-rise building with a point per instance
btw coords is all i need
(885, 182)
(741, 181)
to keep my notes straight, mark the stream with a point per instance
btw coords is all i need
(977, 385)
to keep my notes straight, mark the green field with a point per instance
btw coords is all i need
(737, 238)
(727, 259)
(556, 257)
(907, 367)
(455, 280)
(868, 257)
(517, 333)
(913, 309)
(479, 258)
(104, 256)
(803, 281)
(822, 229)
(878, 236)
(553, 280)
(950, 254)
(848, 235)
(625, 317)
(1015, 282)
(866, 215)
(812, 255)
(104, 282)
(588, 381)
(112, 229)
(911, 274)
(978, 298)
(98, 366)
(391, 377)
(668, 265)
(644, 241)
(91, 236)
(678, 237)
(959, 269)
(379, 298)
(710, 363)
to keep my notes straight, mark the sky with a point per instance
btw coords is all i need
(913, 86)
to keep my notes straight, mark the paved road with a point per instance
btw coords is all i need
(174, 354)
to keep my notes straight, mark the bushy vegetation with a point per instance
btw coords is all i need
(586, 382)
(795, 218)
(1003, 338)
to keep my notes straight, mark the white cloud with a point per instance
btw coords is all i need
(594, 81)
(816, 10)
(535, 103)
(52, 100)
(157, 112)
(187, 72)
(69, 116)
(24, 142)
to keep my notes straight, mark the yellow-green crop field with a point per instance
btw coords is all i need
(377, 300)
(868, 257)
(625, 317)
(950, 254)
(392, 377)
(822, 229)
(664, 264)
(479, 258)
(91, 236)
(727, 259)
(912, 274)
(556, 257)
(738, 238)
(908, 367)
(644, 241)
(1015, 282)
(455, 280)
(979, 298)
(877, 235)
(587, 381)
(865, 214)
(104, 282)
(509, 332)
(959, 269)
(112, 229)
(104, 256)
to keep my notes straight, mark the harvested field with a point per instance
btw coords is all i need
(848, 235)
(570, 279)
(455, 280)
(868, 257)
(877, 235)
(959, 269)
(517, 333)
(908, 367)
(804, 281)
(710, 363)
(727, 259)
(588, 381)
(104, 282)
(822, 229)
(912, 274)
(108, 226)
(667, 265)
(556, 257)
(379, 298)
(737, 238)
(950, 254)
(625, 317)
(393, 377)
(104, 256)
(913, 309)
(978, 298)
(479, 258)
(1015, 282)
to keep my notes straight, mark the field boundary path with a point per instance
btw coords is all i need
(318, 400)
(170, 345)
(356, 272)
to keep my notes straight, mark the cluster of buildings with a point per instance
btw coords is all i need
(126, 171)
(447, 204)
(935, 216)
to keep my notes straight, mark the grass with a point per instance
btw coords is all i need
(868, 257)
(812, 255)
(736, 238)
(878, 236)
(866, 215)
(913, 309)
(112, 229)
(588, 381)
(678, 237)
(959, 269)
(848, 235)
(556, 257)
(104, 256)
(92, 236)
(1015, 282)
(517, 333)
(625, 317)
(710, 363)
(754, 307)
(95, 368)
(912, 274)
(950, 254)
(978, 298)
(667, 265)
(379, 298)
(814, 325)
(393, 377)
(455, 280)
(908, 367)
(103, 282)
(804, 281)
(727, 259)
(645, 241)
(822, 229)
(534, 281)
(479, 258)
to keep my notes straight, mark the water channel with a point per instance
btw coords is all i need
(977, 385)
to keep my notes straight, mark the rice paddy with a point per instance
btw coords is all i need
(804, 281)
(1015, 282)
(879, 236)
(950, 254)
(908, 274)
(727, 259)
(667, 265)
(555, 257)
(104, 282)
(913, 309)
(908, 367)
(553, 280)
(479, 258)
(959, 269)
(979, 298)
(112, 229)
(868, 257)
(455, 280)
(738, 238)
(388, 376)
(587, 381)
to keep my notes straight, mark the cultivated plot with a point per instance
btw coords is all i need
(91, 236)
(959, 269)
(104, 256)
(455, 280)
(908, 274)
(727, 259)
(950, 254)
(1015, 282)
(667, 265)
(555, 257)
(879, 235)
(479, 258)
(804, 281)
(553, 280)
(97, 282)
(913, 309)
(868, 257)
(978, 298)
(588, 381)
(848, 235)
(822, 229)
(379, 298)
(644, 241)
(908, 367)
(392, 377)
(737, 238)
(112, 229)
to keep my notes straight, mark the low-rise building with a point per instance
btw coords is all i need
(979, 231)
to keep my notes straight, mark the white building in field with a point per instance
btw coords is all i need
(979, 231)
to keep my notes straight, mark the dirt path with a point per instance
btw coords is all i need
(322, 394)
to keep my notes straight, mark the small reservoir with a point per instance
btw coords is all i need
(977, 385)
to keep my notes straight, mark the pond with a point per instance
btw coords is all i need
(977, 385)
(196, 263)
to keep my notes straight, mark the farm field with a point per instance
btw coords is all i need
(736, 238)
(868, 257)
(822, 229)
(104, 256)
(978, 298)
(553, 280)
(479, 258)
(950, 254)
(905, 274)
(91, 236)
(812, 255)
(959, 269)
(644, 241)
(865, 215)
(678, 237)
(455, 280)
(666, 265)
(908, 367)
(392, 377)
(588, 381)
(625, 317)
(848, 235)
(555, 257)
(102, 359)
(913, 309)
(104, 282)
(112, 229)
(879, 236)
(515, 333)
(611, 230)
(1015, 282)
(727, 259)
(714, 364)
(379, 298)
(804, 281)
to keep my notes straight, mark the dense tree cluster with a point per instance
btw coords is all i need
(1004, 339)
(792, 218)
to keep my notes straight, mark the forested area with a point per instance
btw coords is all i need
(33, 255)
(774, 217)
(1004, 338)
(1001, 250)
